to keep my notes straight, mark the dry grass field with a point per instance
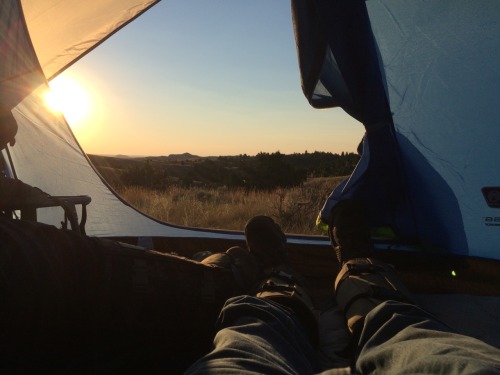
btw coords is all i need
(295, 209)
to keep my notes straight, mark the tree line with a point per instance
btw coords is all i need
(262, 171)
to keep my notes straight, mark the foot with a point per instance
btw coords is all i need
(349, 231)
(266, 242)
(239, 261)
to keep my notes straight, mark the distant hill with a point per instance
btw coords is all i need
(184, 156)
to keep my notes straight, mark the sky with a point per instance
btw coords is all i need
(210, 78)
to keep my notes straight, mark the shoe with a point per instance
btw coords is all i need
(279, 282)
(266, 242)
(240, 262)
(288, 290)
(349, 231)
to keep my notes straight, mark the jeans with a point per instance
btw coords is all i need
(260, 336)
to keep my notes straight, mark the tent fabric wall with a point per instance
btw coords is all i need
(438, 65)
(19, 71)
(446, 113)
(63, 31)
(47, 154)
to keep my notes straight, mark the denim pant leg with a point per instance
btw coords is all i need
(400, 338)
(257, 336)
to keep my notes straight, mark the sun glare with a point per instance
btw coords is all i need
(68, 96)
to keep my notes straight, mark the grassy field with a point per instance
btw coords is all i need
(295, 209)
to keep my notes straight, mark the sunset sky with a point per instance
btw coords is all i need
(207, 77)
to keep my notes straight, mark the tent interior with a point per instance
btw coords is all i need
(118, 291)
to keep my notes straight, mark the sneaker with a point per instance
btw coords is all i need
(349, 231)
(266, 242)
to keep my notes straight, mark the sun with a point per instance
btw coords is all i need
(69, 97)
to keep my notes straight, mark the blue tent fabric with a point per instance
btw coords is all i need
(338, 59)
(423, 78)
(379, 183)
(339, 67)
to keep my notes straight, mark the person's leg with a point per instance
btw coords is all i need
(272, 330)
(363, 281)
(257, 335)
(391, 333)
(402, 338)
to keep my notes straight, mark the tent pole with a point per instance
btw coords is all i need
(10, 167)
